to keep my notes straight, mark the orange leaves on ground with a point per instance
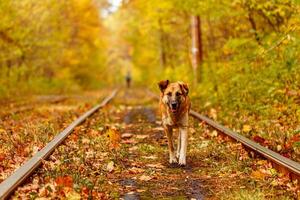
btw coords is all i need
(2, 157)
(292, 140)
(258, 174)
(64, 181)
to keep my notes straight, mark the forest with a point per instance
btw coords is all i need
(240, 59)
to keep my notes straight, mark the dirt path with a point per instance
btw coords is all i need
(121, 153)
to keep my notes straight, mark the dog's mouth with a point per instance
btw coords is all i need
(174, 107)
(173, 110)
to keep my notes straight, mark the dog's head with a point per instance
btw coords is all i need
(173, 94)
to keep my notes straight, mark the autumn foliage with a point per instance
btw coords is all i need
(48, 46)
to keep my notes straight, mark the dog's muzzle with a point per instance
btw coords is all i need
(174, 105)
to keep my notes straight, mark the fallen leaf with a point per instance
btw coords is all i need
(114, 137)
(134, 148)
(292, 140)
(213, 113)
(141, 136)
(131, 192)
(110, 166)
(2, 157)
(247, 128)
(85, 191)
(214, 133)
(273, 171)
(43, 192)
(130, 141)
(35, 149)
(135, 170)
(150, 157)
(258, 174)
(126, 135)
(158, 166)
(65, 181)
(86, 141)
(203, 144)
(192, 130)
(279, 147)
(145, 178)
(72, 195)
(258, 139)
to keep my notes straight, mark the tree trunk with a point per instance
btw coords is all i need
(197, 52)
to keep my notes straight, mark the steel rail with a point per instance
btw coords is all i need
(14, 180)
(289, 164)
(265, 152)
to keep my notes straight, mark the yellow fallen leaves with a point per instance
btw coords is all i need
(247, 128)
(264, 173)
(114, 137)
(72, 195)
(110, 166)
(259, 174)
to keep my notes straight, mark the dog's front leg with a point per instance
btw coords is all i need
(183, 145)
(169, 133)
(178, 145)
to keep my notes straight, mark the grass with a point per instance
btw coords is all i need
(244, 195)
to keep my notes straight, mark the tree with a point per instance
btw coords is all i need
(197, 52)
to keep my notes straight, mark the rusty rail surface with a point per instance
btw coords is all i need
(281, 161)
(14, 180)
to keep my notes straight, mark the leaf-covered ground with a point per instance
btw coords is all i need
(121, 152)
(27, 125)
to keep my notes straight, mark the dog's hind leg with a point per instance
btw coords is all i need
(169, 133)
(183, 145)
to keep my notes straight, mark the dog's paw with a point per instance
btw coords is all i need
(182, 161)
(173, 160)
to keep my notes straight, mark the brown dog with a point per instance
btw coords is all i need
(175, 106)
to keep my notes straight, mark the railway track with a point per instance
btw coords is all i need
(25, 171)
(279, 162)
(14, 180)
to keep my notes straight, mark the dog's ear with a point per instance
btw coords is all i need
(184, 88)
(163, 85)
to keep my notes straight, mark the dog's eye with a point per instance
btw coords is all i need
(178, 94)
(169, 94)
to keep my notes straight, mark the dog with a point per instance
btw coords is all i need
(175, 107)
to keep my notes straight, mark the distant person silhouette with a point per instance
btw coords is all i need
(128, 79)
